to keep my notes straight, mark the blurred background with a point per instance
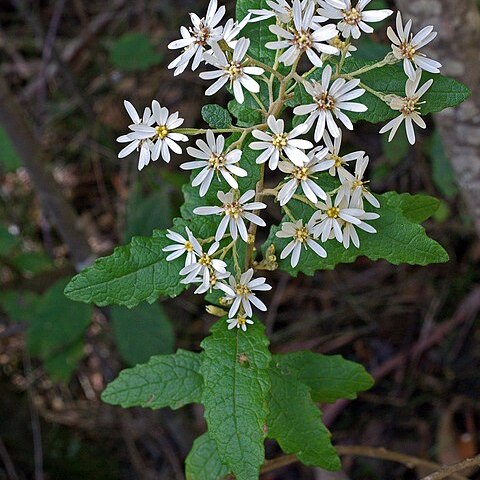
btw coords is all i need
(65, 198)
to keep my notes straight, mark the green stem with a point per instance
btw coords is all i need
(388, 60)
(289, 213)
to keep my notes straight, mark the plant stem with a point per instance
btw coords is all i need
(388, 60)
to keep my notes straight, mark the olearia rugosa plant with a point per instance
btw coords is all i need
(298, 81)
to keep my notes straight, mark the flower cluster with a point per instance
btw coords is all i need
(316, 172)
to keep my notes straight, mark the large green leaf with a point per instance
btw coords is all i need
(55, 331)
(133, 52)
(330, 377)
(391, 79)
(203, 462)
(165, 381)
(236, 385)
(296, 423)
(132, 274)
(142, 332)
(398, 240)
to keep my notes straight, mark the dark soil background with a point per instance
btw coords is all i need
(413, 328)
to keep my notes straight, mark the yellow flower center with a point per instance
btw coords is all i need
(301, 235)
(162, 131)
(241, 320)
(234, 69)
(338, 160)
(205, 260)
(333, 212)
(410, 105)
(352, 16)
(358, 183)
(242, 290)
(202, 36)
(408, 50)
(233, 210)
(338, 43)
(217, 162)
(280, 141)
(302, 40)
(325, 101)
(300, 173)
(188, 246)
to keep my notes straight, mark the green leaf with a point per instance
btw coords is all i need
(330, 377)
(132, 274)
(236, 384)
(203, 462)
(216, 116)
(19, 306)
(165, 381)
(33, 263)
(258, 33)
(60, 366)
(142, 332)
(391, 79)
(133, 52)
(398, 239)
(296, 424)
(417, 208)
(246, 116)
(9, 160)
(56, 329)
(144, 214)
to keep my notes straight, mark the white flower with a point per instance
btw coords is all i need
(353, 20)
(354, 187)
(407, 47)
(213, 160)
(302, 237)
(183, 245)
(242, 293)
(329, 101)
(280, 142)
(307, 37)
(232, 28)
(332, 216)
(350, 234)
(194, 40)
(303, 176)
(240, 321)
(339, 161)
(281, 9)
(205, 269)
(234, 70)
(236, 212)
(133, 142)
(163, 136)
(410, 107)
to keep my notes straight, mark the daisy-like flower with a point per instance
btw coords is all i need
(145, 145)
(302, 238)
(197, 38)
(240, 321)
(205, 268)
(409, 108)
(214, 160)
(350, 234)
(331, 217)
(407, 47)
(281, 142)
(329, 101)
(339, 161)
(353, 20)
(233, 70)
(307, 36)
(241, 293)
(303, 177)
(162, 136)
(235, 213)
(354, 187)
(181, 246)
